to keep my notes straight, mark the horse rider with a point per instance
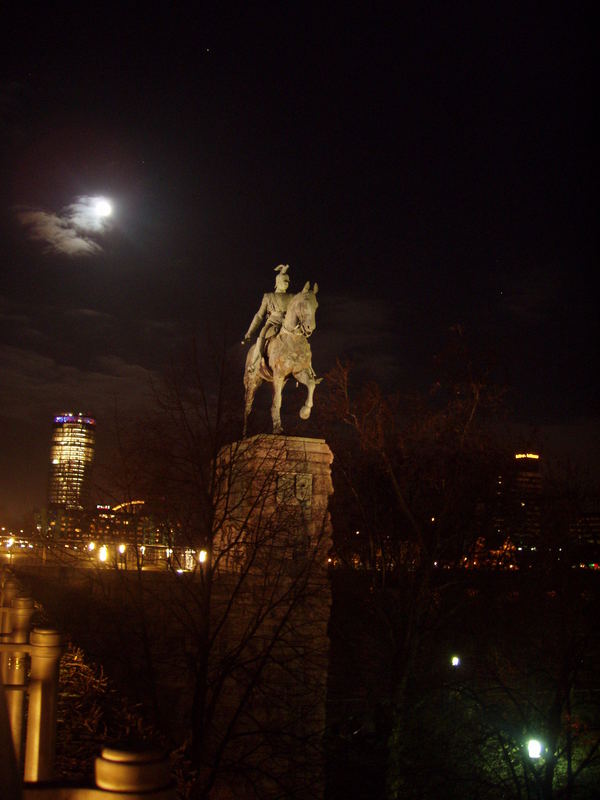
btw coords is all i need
(273, 306)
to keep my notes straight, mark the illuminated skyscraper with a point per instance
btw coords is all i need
(71, 455)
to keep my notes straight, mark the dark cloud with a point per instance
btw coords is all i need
(19, 319)
(90, 314)
(33, 381)
(361, 331)
(534, 294)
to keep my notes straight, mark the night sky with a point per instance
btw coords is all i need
(427, 167)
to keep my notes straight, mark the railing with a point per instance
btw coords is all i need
(29, 673)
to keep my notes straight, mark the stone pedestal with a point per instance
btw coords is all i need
(270, 611)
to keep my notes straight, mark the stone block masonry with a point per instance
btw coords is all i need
(272, 604)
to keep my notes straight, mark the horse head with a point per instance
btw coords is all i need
(304, 308)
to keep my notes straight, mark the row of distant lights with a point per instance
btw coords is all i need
(122, 549)
(69, 417)
(535, 747)
(11, 541)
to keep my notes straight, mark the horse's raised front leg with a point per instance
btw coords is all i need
(278, 384)
(309, 379)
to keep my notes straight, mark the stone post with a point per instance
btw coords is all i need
(10, 589)
(138, 773)
(15, 674)
(46, 649)
(10, 782)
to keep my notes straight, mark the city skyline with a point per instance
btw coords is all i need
(428, 169)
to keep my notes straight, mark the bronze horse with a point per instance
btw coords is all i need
(287, 353)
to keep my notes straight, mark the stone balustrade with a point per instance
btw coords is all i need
(29, 680)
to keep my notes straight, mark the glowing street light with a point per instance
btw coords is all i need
(103, 553)
(455, 661)
(534, 748)
(202, 556)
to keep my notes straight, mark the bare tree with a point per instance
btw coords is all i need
(418, 474)
(530, 674)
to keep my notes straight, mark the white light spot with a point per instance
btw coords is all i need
(102, 207)
(534, 748)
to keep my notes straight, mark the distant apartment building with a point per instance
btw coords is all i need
(127, 523)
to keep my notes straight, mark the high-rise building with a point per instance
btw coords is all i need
(527, 491)
(518, 517)
(71, 456)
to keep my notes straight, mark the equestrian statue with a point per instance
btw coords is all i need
(284, 323)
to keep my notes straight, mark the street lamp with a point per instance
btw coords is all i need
(534, 748)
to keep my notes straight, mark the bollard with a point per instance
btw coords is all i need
(46, 649)
(142, 772)
(10, 590)
(15, 672)
(10, 782)
(21, 614)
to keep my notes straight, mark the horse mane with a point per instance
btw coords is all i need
(299, 297)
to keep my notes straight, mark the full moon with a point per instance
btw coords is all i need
(102, 207)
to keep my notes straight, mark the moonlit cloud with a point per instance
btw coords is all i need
(73, 231)
(88, 214)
